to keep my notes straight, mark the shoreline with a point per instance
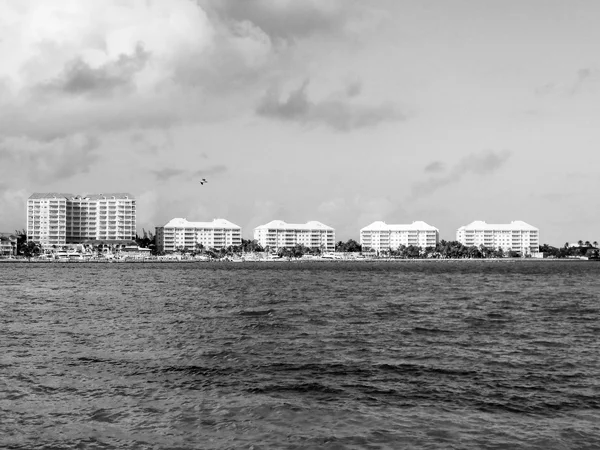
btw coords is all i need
(294, 261)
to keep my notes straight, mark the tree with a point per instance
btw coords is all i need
(484, 251)
(473, 252)
(31, 249)
(340, 247)
(147, 239)
(580, 243)
(595, 243)
(21, 240)
(251, 246)
(353, 246)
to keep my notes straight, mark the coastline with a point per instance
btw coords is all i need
(282, 260)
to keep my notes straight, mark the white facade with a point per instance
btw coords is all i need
(278, 234)
(381, 236)
(59, 219)
(181, 234)
(516, 236)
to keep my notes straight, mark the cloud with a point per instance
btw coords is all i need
(79, 78)
(353, 213)
(79, 67)
(210, 170)
(435, 167)
(480, 164)
(57, 159)
(336, 112)
(264, 211)
(554, 197)
(13, 205)
(167, 173)
(354, 89)
(95, 67)
(288, 19)
(583, 78)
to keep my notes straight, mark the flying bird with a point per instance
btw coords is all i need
(203, 181)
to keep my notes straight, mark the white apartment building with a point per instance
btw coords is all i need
(278, 234)
(382, 236)
(59, 219)
(47, 218)
(180, 234)
(517, 236)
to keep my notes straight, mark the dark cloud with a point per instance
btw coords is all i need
(287, 20)
(297, 105)
(167, 173)
(211, 170)
(480, 164)
(354, 89)
(336, 113)
(79, 78)
(435, 167)
(583, 77)
(51, 161)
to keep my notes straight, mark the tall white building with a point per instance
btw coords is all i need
(180, 234)
(58, 219)
(382, 236)
(278, 234)
(517, 236)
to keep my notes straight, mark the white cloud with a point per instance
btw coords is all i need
(72, 66)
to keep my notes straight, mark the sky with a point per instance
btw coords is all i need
(341, 111)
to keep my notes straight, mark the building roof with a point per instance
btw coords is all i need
(52, 195)
(109, 196)
(514, 225)
(281, 225)
(40, 195)
(179, 222)
(382, 226)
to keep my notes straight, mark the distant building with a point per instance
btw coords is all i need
(181, 234)
(382, 236)
(8, 244)
(58, 219)
(278, 234)
(517, 236)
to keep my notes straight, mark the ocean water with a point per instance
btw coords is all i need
(361, 355)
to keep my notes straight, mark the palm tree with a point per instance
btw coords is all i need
(31, 249)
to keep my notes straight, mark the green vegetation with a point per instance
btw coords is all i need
(147, 240)
(351, 246)
(446, 249)
(586, 249)
(443, 250)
